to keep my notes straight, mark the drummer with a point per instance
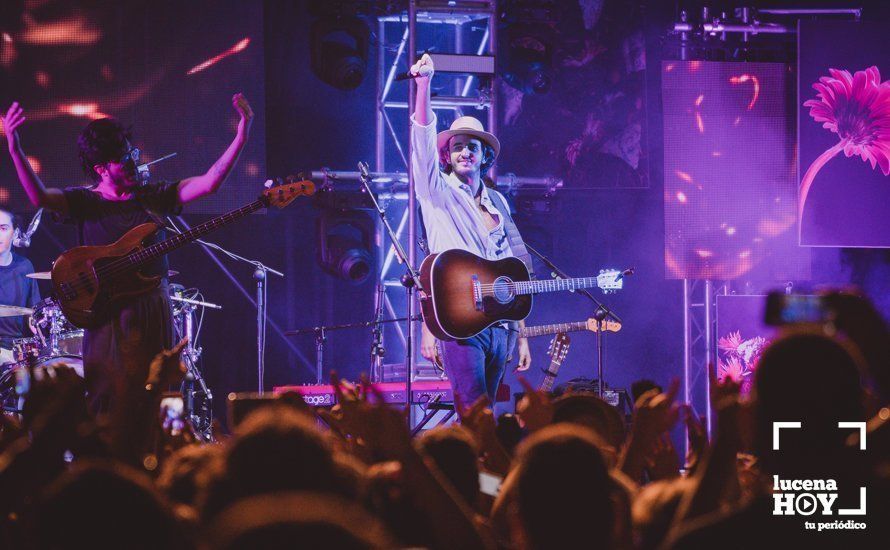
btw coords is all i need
(15, 288)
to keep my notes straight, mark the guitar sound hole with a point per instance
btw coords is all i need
(502, 290)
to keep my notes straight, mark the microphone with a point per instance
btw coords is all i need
(363, 170)
(424, 70)
(142, 171)
(626, 273)
(23, 240)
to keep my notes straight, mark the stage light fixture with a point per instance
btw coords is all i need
(344, 242)
(339, 50)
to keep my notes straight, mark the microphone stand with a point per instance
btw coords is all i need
(410, 280)
(321, 332)
(600, 314)
(377, 349)
(260, 273)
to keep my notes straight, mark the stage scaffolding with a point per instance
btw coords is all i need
(463, 27)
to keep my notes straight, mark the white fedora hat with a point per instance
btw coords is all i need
(469, 126)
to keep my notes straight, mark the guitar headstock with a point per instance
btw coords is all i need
(608, 326)
(559, 347)
(282, 194)
(609, 281)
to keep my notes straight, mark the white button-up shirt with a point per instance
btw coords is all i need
(450, 214)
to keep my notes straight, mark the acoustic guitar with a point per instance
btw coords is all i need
(90, 281)
(465, 294)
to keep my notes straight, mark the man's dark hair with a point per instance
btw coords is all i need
(104, 504)
(641, 386)
(454, 451)
(564, 489)
(814, 379)
(17, 222)
(591, 411)
(103, 140)
(275, 448)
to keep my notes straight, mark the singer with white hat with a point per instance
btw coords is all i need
(459, 211)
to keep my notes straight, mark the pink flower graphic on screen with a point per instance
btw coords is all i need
(731, 342)
(857, 109)
(738, 358)
(732, 369)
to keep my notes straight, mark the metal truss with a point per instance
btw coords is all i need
(699, 351)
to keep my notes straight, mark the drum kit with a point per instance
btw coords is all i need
(57, 342)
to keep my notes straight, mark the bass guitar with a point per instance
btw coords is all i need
(465, 294)
(89, 281)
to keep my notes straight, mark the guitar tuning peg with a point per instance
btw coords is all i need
(268, 184)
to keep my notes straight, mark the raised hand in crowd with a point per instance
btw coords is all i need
(535, 409)
(654, 414)
(479, 419)
(663, 462)
(698, 437)
(55, 414)
(716, 478)
(383, 430)
(136, 430)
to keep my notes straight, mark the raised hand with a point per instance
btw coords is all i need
(15, 117)
(383, 429)
(241, 105)
(698, 437)
(535, 408)
(655, 413)
(167, 367)
(478, 418)
(424, 67)
(663, 462)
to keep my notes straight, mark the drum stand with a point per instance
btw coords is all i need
(196, 396)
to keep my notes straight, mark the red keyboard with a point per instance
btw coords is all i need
(423, 391)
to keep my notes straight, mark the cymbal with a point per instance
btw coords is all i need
(14, 311)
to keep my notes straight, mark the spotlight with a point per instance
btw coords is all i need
(345, 240)
(528, 63)
(339, 50)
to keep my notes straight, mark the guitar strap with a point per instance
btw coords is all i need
(517, 245)
(155, 217)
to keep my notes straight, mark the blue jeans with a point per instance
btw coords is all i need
(476, 365)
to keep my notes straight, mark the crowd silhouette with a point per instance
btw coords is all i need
(574, 473)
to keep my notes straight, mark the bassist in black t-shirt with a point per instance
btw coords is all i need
(116, 354)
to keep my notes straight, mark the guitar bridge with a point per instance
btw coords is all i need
(477, 293)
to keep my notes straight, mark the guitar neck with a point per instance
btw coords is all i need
(157, 250)
(541, 330)
(550, 376)
(554, 285)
